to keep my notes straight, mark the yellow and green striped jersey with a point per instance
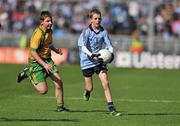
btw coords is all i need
(40, 42)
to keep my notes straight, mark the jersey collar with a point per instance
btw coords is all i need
(100, 29)
(48, 31)
(42, 30)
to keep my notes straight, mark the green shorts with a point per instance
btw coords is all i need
(37, 73)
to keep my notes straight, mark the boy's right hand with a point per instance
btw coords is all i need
(95, 57)
(48, 68)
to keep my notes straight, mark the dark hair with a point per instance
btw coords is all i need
(94, 11)
(45, 14)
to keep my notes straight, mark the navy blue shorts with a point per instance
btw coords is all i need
(97, 69)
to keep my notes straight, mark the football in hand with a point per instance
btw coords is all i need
(106, 55)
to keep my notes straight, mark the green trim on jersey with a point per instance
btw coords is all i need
(32, 49)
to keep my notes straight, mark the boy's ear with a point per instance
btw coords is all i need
(41, 22)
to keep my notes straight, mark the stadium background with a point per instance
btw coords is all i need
(151, 26)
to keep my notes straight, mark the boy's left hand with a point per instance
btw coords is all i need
(59, 51)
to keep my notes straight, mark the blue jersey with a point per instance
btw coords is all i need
(94, 42)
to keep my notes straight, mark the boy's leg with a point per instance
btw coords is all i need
(105, 84)
(59, 94)
(38, 79)
(88, 88)
(87, 73)
(41, 87)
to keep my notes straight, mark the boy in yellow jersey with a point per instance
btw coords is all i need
(40, 64)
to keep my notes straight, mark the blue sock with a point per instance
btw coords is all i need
(111, 106)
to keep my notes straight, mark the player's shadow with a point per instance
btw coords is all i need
(95, 111)
(14, 119)
(151, 114)
(123, 113)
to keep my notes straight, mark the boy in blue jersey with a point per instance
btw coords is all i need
(90, 42)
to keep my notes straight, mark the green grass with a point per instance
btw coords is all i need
(145, 98)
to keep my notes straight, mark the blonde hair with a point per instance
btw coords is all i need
(94, 11)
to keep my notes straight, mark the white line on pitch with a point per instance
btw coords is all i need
(101, 99)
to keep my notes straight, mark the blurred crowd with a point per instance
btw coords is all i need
(70, 16)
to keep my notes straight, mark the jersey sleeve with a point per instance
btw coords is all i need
(35, 40)
(108, 41)
(82, 41)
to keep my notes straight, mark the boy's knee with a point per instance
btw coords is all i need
(90, 89)
(43, 92)
(59, 84)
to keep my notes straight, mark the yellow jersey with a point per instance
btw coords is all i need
(40, 42)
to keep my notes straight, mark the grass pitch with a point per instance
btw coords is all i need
(145, 98)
